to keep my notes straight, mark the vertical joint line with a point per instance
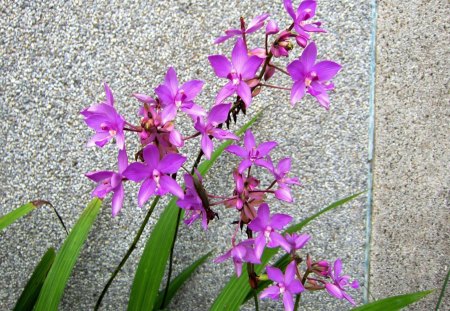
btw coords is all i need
(371, 148)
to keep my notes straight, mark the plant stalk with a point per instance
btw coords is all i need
(130, 250)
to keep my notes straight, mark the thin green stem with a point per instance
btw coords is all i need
(166, 290)
(297, 302)
(441, 296)
(130, 250)
(255, 296)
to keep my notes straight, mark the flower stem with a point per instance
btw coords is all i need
(166, 290)
(275, 86)
(279, 69)
(255, 296)
(130, 250)
(297, 302)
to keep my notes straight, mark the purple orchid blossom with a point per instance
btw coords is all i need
(266, 224)
(216, 116)
(279, 172)
(243, 252)
(109, 181)
(174, 97)
(155, 173)
(285, 285)
(241, 69)
(312, 77)
(305, 11)
(338, 287)
(195, 201)
(251, 154)
(104, 119)
(255, 24)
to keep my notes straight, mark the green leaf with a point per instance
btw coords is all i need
(177, 282)
(31, 291)
(19, 212)
(441, 295)
(153, 261)
(59, 273)
(299, 226)
(236, 290)
(393, 303)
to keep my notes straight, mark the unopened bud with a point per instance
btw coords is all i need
(252, 82)
(272, 27)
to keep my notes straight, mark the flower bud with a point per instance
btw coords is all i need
(272, 27)
(252, 82)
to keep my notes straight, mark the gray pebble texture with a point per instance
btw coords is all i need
(411, 215)
(55, 57)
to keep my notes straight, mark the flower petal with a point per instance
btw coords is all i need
(237, 150)
(99, 176)
(297, 92)
(249, 140)
(266, 147)
(239, 55)
(171, 163)
(151, 156)
(218, 114)
(226, 91)
(207, 146)
(296, 70)
(109, 95)
(309, 56)
(171, 80)
(275, 274)
(288, 301)
(220, 64)
(146, 191)
(245, 93)
(117, 200)
(326, 69)
(136, 172)
(251, 66)
(170, 185)
(192, 89)
(333, 290)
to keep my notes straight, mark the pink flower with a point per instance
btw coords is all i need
(243, 252)
(305, 11)
(252, 154)
(155, 173)
(109, 181)
(241, 69)
(107, 123)
(255, 24)
(174, 97)
(338, 287)
(312, 77)
(265, 225)
(285, 286)
(217, 115)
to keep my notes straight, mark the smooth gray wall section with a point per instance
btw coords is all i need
(411, 221)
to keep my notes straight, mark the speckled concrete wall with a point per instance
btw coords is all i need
(55, 57)
(411, 215)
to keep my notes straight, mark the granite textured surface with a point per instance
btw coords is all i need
(55, 57)
(411, 215)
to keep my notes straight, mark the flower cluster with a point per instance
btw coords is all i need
(159, 159)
